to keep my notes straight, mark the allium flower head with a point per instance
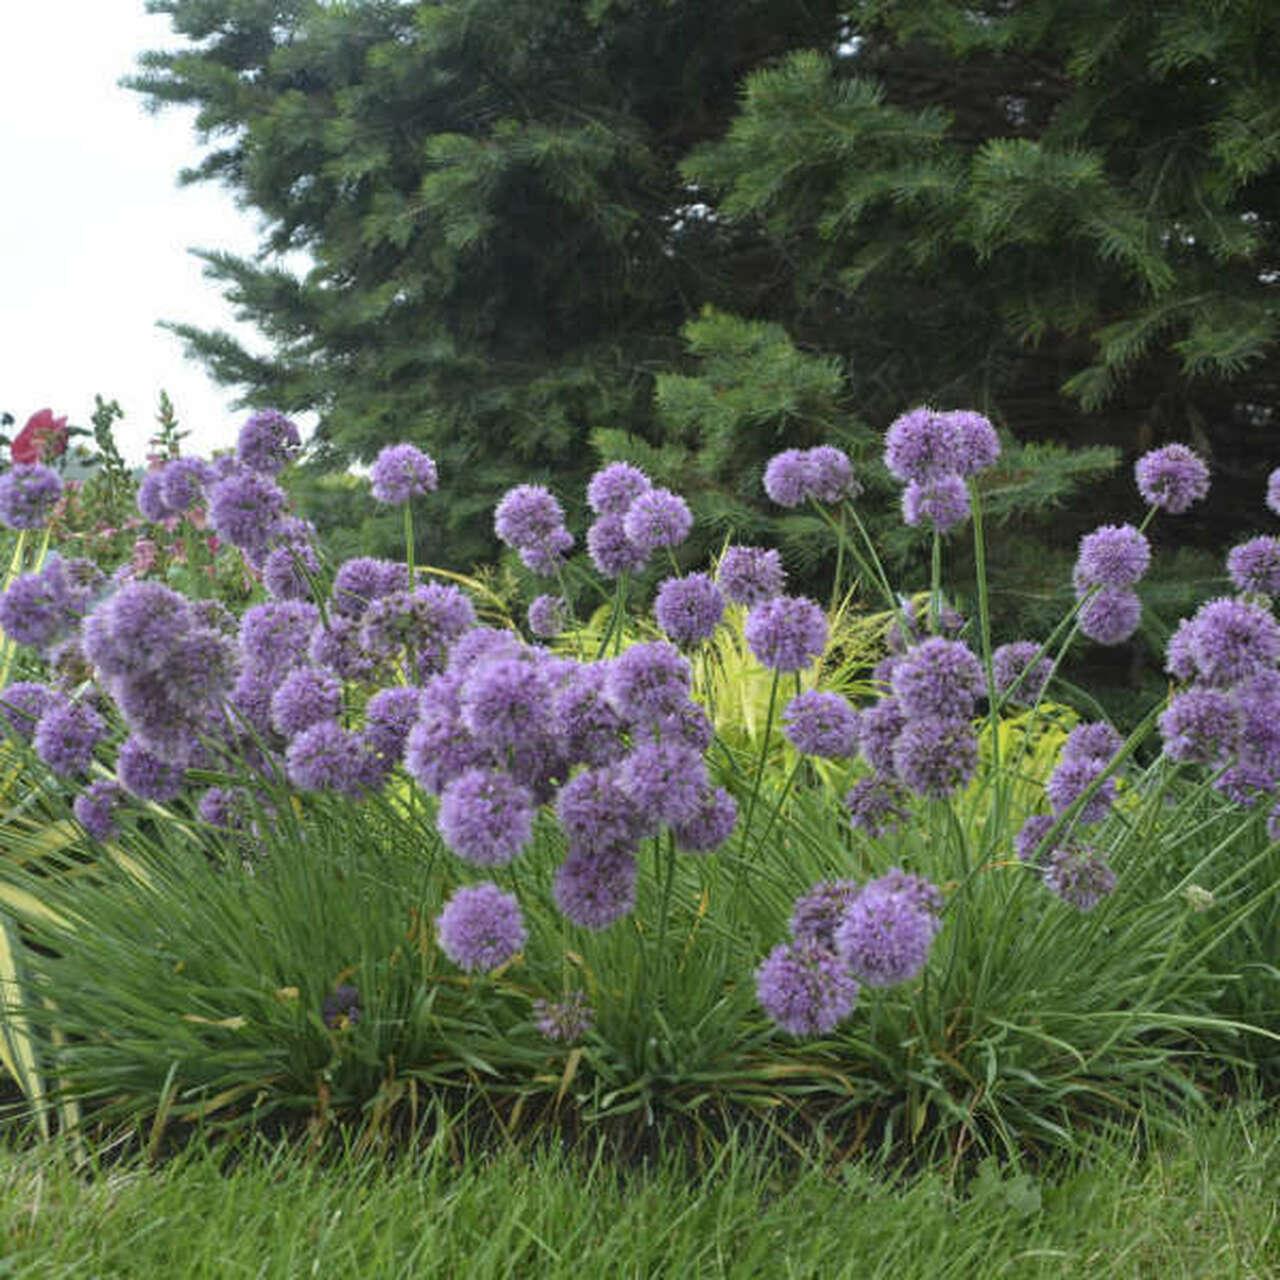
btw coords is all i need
(566, 1020)
(657, 518)
(614, 488)
(426, 618)
(1172, 478)
(23, 703)
(327, 757)
(33, 611)
(878, 729)
(805, 989)
(547, 616)
(1200, 726)
(648, 681)
(267, 441)
(182, 481)
(594, 890)
(875, 805)
(1232, 639)
(439, 747)
(286, 572)
(597, 815)
(831, 475)
(1020, 663)
(480, 927)
(939, 678)
(1079, 876)
(1026, 844)
(1096, 740)
(916, 889)
(153, 500)
(1273, 492)
(340, 1009)
(28, 494)
(485, 817)
(548, 557)
(388, 717)
(137, 630)
(923, 445)
(275, 637)
(1071, 779)
(243, 508)
(503, 702)
(885, 934)
(689, 609)
(787, 478)
(527, 516)
(1254, 566)
(95, 808)
(821, 723)
(1111, 616)
(611, 551)
(976, 444)
(942, 502)
(145, 774)
(586, 723)
(1179, 660)
(361, 581)
(935, 757)
(748, 575)
(711, 826)
(306, 696)
(786, 633)
(1111, 556)
(479, 644)
(818, 911)
(664, 779)
(337, 647)
(66, 736)
(401, 472)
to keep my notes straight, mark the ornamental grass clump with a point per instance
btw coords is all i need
(367, 842)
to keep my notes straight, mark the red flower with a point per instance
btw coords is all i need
(44, 437)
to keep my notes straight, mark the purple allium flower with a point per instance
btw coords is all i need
(388, 717)
(597, 815)
(326, 757)
(711, 826)
(243, 508)
(33, 611)
(940, 679)
(547, 616)
(1254, 566)
(831, 475)
(585, 722)
(1111, 616)
(819, 910)
(566, 1020)
(286, 572)
(425, 618)
(1080, 877)
(923, 445)
(480, 927)
(594, 890)
(306, 696)
(485, 817)
(1232, 639)
(28, 494)
(1200, 726)
(1180, 661)
(614, 488)
(438, 747)
(934, 757)
(1008, 665)
(340, 1009)
(1070, 779)
(878, 729)
(267, 441)
(1113, 555)
(503, 702)
(136, 630)
(689, 609)
(22, 704)
(884, 934)
(748, 575)
(819, 723)
(786, 633)
(401, 472)
(548, 558)
(95, 808)
(337, 647)
(665, 780)
(145, 774)
(361, 581)
(275, 637)
(942, 501)
(1096, 740)
(66, 735)
(977, 446)
(690, 725)
(478, 644)
(875, 805)
(153, 500)
(1172, 478)
(648, 681)
(611, 551)
(527, 516)
(657, 518)
(1273, 492)
(805, 989)
(224, 807)
(1026, 844)
(916, 889)
(911, 623)
(787, 478)
(183, 481)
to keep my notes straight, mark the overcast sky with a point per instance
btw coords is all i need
(94, 229)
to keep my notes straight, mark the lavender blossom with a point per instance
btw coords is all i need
(657, 518)
(875, 805)
(614, 488)
(28, 494)
(818, 911)
(819, 723)
(401, 472)
(805, 989)
(786, 633)
(935, 757)
(66, 735)
(1111, 556)
(485, 817)
(689, 609)
(1171, 478)
(95, 809)
(594, 890)
(1254, 566)
(885, 934)
(1111, 616)
(480, 927)
(1019, 663)
(711, 826)
(942, 501)
(611, 551)
(748, 575)
(939, 678)
(267, 441)
(1080, 877)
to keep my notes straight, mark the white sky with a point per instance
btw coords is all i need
(94, 229)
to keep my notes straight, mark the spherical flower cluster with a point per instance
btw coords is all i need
(547, 616)
(1020, 672)
(748, 575)
(485, 817)
(786, 633)
(1079, 876)
(243, 509)
(1095, 740)
(95, 808)
(327, 757)
(37, 610)
(878, 728)
(689, 609)
(1172, 478)
(926, 444)
(710, 826)
(23, 703)
(480, 927)
(942, 502)
(935, 757)
(1229, 640)
(28, 494)
(597, 814)
(267, 442)
(401, 472)
(1070, 779)
(657, 518)
(340, 1010)
(648, 681)
(530, 520)
(1111, 616)
(806, 990)
(1273, 492)
(145, 774)
(823, 474)
(594, 890)
(820, 723)
(875, 805)
(306, 696)
(361, 581)
(938, 678)
(66, 735)
(388, 717)
(664, 779)
(885, 933)
(1111, 556)
(288, 571)
(1026, 844)
(584, 720)
(1200, 726)
(1254, 566)
(613, 489)
(818, 911)
(566, 1020)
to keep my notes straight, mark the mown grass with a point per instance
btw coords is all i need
(1199, 1203)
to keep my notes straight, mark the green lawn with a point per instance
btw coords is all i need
(1201, 1204)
